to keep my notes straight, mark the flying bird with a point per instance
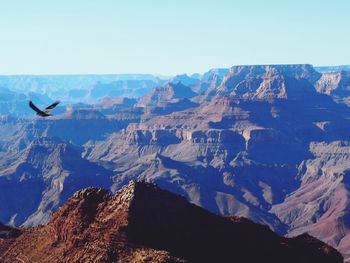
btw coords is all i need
(47, 110)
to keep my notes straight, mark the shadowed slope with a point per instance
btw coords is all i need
(142, 222)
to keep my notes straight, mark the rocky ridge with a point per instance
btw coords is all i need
(142, 222)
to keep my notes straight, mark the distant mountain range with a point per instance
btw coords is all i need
(333, 68)
(77, 88)
(266, 142)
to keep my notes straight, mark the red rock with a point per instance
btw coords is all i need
(142, 222)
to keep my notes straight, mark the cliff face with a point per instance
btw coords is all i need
(144, 222)
(334, 84)
(228, 155)
(268, 82)
(320, 206)
(45, 175)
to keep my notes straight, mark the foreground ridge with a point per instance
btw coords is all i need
(145, 223)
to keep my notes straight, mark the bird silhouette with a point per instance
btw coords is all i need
(46, 112)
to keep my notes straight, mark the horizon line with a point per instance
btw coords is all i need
(166, 75)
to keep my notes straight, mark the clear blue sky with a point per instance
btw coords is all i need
(169, 37)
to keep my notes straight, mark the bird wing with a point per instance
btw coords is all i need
(35, 108)
(53, 105)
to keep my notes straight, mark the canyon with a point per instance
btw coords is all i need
(268, 142)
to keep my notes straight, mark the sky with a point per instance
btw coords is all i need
(169, 37)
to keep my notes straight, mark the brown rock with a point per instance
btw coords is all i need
(144, 223)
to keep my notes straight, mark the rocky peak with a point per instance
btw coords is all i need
(77, 214)
(298, 71)
(269, 82)
(170, 92)
(214, 74)
(177, 91)
(93, 225)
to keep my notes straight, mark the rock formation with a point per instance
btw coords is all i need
(144, 223)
